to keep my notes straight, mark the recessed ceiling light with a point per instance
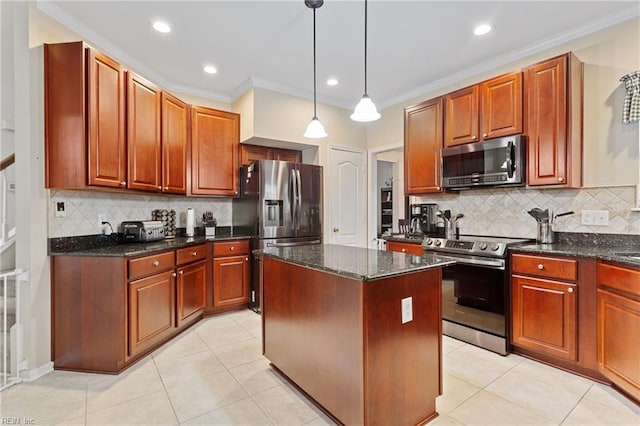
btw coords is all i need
(482, 29)
(332, 82)
(210, 69)
(161, 27)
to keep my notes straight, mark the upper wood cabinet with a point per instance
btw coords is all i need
(422, 145)
(143, 134)
(251, 153)
(487, 110)
(84, 118)
(215, 136)
(175, 133)
(554, 122)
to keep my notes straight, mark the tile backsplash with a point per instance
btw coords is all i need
(82, 209)
(503, 211)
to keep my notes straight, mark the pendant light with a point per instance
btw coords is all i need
(315, 129)
(366, 109)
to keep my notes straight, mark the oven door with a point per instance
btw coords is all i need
(475, 302)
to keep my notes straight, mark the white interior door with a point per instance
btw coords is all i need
(347, 197)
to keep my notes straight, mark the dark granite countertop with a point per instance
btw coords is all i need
(355, 262)
(101, 245)
(610, 247)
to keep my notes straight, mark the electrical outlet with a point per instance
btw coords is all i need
(101, 218)
(595, 217)
(407, 309)
(58, 209)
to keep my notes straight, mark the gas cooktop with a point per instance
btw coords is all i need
(476, 245)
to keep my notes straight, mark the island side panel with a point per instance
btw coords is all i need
(402, 361)
(88, 313)
(313, 333)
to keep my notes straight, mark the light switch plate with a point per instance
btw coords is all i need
(58, 209)
(407, 309)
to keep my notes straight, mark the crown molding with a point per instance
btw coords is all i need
(531, 49)
(206, 94)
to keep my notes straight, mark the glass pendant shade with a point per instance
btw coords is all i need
(365, 110)
(315, 129)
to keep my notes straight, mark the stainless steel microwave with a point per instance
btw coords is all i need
(495, 162)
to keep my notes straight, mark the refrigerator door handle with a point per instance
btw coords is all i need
(299, 209)
(292, 199)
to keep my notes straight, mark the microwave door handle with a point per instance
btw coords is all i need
(510, 160)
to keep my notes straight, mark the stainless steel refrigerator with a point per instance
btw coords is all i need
(281, 202)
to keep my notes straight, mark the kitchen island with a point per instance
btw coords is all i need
(357, 330)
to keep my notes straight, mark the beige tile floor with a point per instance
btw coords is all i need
(214, 374)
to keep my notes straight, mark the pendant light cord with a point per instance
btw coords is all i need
(315, 115)
(365, 47)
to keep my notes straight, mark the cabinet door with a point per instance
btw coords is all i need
(107, 156)
(554, 122)
(151, 311)
(461, 116)
(404, 247)
(618, 340)
(192, 291)
(143, 134)
(287, 155)
(501, 106)
(174, 144)
(230, 280)
(215, 136)
(422, 145)
(544, 316)
(251, 153)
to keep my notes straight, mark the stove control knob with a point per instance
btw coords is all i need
(429, 242)
(483, 246)
(438, 243)
(495, 247)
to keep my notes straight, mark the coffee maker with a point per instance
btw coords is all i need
(424, 219)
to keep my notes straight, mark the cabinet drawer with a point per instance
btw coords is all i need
(229, 248)
(405, 247)
(549, 267)
(191, 254)
(619, 278)
(151, 264)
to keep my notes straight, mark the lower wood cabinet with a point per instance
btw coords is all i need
(405, 247)
(191, 290)
(231, 274)
(151, 311)
(618, 334)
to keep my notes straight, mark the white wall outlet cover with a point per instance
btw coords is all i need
(595, 217)
(407, 309)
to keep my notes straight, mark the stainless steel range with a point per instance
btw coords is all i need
(475, 290)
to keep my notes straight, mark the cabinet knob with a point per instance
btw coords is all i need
(166, 188)
(335, 229)
(156, 263)
(570, 290)
(232, 248)
(484, 135)
(123, 183)
(194, 254)
(173, 275)
(181, 272)
(246, 258)
(159, 187)
(404, 250)
(560, 179)
(474, 137)
(540, 266)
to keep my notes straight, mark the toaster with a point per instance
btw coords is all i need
(140, 231)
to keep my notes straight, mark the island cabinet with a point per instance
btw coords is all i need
(486, 110)
(251, 153)
(415, 248)
(422, 145)
(343, 341)
(230, 275)
(215, 136)
(554, 122)
(618, 318)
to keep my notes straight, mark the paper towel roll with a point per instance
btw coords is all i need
(191, 220)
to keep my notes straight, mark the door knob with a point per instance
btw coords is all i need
(335, 229)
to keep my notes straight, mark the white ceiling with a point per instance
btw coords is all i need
(412, 44)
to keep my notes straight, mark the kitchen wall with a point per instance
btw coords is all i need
(503, 211)
(82, 209)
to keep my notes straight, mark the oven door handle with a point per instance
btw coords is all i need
(473, 260)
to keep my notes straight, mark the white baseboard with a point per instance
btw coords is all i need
(36, 373)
